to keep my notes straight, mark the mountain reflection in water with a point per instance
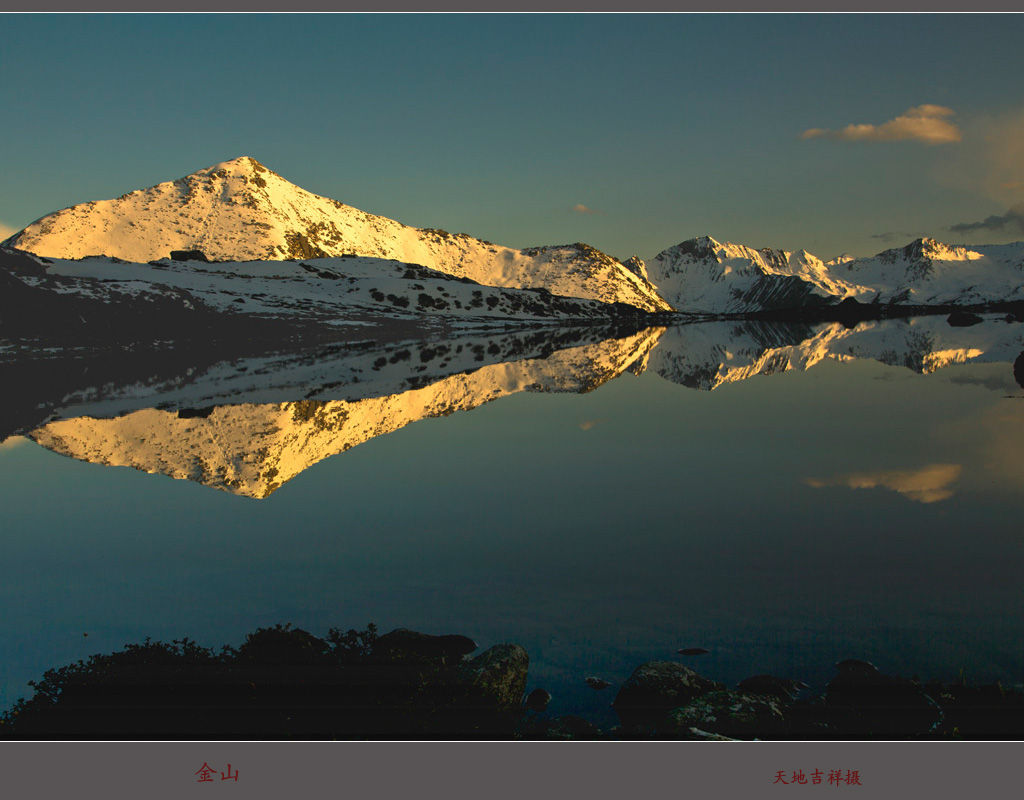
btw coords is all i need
(858, 499)
(219, 430)
(249, 425)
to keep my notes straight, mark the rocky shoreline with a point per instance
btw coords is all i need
(285, 683)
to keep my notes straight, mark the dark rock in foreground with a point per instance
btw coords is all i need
(497, 677)
(784, 689)
(730, 714)
(655, 688)
(285, 683)
(862, 703)
(405, 645)
(566, 728)
(538, 699)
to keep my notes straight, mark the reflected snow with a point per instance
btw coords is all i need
(784, 496)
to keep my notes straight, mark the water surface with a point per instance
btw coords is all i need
(784, 496)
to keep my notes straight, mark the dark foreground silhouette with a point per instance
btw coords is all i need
(285, 683)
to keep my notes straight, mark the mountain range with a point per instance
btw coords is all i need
(237, 238)
(703, 275)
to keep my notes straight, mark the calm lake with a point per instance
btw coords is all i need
(784, 496)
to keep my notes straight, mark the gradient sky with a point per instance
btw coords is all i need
(629, 132)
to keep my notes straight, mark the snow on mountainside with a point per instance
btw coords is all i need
(712, 354)
(927, 272)
(703, 275)
(253, 446)
(248, 426)
(241, 211)
(323, 291)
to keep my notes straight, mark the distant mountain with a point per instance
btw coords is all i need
(708, 276)
(703, 275)
(241, 211)
(927, 272)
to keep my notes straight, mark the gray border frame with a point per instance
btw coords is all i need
(499, 770)
(503, 770)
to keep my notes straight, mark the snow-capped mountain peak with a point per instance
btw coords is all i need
(927, 250)
(929, 272)
(239, 210)
(703, 274)
(708, 276)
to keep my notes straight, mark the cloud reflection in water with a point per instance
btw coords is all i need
(930, 484)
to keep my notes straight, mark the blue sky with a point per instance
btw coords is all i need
(629, 132)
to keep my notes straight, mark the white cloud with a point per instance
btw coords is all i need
(13, 441)
(926, 485)
(7, 230)
(579, 208)
(925, 123)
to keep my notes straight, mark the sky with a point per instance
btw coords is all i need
(832, 133)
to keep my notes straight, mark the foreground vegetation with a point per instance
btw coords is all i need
(285, 683)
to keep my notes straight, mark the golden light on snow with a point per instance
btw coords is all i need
(926, 123)
(12, 441)
(259, 215)
(7, 230)
(252, 449)
(929, 484)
